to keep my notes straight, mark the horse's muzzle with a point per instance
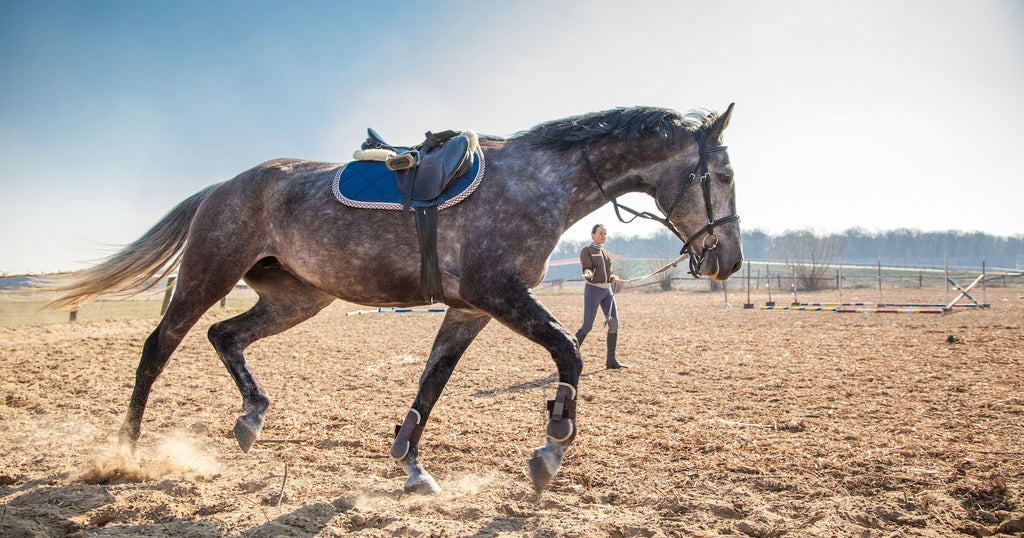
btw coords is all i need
(719, 264)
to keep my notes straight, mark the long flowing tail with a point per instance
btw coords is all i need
(135, 268)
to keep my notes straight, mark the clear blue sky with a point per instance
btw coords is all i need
(871, 114)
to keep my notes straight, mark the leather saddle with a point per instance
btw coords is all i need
(424, 171)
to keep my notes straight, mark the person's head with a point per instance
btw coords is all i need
(598, 234)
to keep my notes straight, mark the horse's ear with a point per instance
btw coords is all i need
(722, 122)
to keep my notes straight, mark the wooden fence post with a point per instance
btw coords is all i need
(880, 301)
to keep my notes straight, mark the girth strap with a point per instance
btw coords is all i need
(430, 271)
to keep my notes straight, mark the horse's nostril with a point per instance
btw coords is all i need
(736, 268)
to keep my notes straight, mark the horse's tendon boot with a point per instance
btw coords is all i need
(562, 410)
(406, 435)
(404, 450)
(547, 460)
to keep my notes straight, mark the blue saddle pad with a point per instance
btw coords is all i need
(370, 185)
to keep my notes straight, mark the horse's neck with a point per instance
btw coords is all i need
(609, 178)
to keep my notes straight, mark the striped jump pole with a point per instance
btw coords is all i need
(916, 305)
(839, 304)
(913, 305)
(803, 308)
(846, 309)
(964, 292)
(393, 310)
(892, 310)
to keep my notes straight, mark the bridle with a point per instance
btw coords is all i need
(699, 173)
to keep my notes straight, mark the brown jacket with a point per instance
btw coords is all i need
(598, 261)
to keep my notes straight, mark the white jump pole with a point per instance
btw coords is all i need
(945, 257)
(984, 286)
(748, 304)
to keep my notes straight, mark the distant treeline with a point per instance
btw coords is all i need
(903, 247)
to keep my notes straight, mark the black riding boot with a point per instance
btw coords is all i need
(580, 335)
(611, 362)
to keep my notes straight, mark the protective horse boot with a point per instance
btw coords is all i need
(561, 431)
(580, 335)
(406, 453)
(611, 362)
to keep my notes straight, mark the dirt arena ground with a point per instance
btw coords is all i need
(730, 422)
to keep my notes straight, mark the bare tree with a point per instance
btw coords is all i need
(810, 256)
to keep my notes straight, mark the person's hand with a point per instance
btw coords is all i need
(614, 278)
(588, 274)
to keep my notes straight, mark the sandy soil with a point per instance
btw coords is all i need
(731, 422)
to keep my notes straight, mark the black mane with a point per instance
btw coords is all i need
(616, 124)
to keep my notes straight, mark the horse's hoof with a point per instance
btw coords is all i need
(127, 450)
(246, 431)
(423, 484)
(126, 446)
(127, 437)
(544, 465)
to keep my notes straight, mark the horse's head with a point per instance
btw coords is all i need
(697, 194)
(676, 158)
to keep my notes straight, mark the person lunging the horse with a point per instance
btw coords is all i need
(597, 270)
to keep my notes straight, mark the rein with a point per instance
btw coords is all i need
(710, 241)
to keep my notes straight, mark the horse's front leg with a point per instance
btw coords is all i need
(561, 431)
(511, 302)
(457, 331)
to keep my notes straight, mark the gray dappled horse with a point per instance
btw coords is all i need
(279, 228)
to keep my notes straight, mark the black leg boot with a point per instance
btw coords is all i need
(613, 363)
(580, 335)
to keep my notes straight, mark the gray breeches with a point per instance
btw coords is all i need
(593, 297)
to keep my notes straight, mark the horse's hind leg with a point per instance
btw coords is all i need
(457, 331)
(284, 302)
(186, 307)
